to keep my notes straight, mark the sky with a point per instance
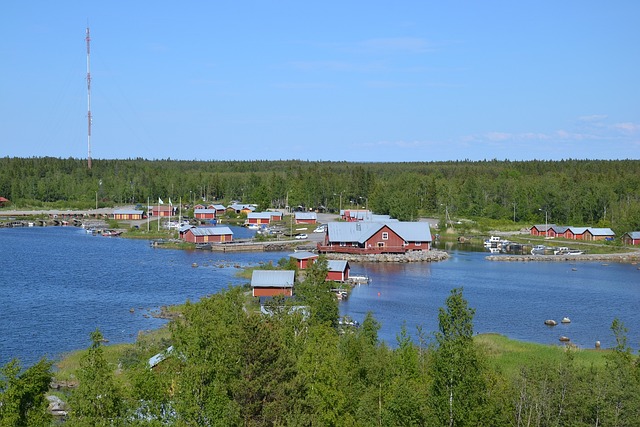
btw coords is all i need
(355, 81)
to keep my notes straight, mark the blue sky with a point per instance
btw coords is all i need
(330, 80)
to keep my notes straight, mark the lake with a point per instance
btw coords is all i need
(58, 284)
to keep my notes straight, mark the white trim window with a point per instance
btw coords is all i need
(385, 235)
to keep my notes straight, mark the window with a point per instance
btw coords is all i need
(385, 236)
(418, 243)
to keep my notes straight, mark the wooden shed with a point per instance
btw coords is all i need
(304, 259)
(208, 235)
(631, 238)
(268, 283)
(338, 270)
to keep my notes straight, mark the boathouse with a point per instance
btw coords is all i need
(303, 259)
(306, 217)
(204, 213)
(127, 214)
(259, 218)
(376, 238)
(631, 238)
(576, 233)
(268, 283)
(338, 270)
(208, 235)
(599, 234)
(161, 210)
(541, 230)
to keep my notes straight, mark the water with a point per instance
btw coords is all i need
(58, 284)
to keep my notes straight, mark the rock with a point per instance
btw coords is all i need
(56, 406)
(550, 322)
(564, 339)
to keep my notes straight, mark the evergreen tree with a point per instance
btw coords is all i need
(22, 395)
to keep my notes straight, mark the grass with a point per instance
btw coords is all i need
(508, 356)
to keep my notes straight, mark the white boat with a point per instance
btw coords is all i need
(492, 242)
(538, 250)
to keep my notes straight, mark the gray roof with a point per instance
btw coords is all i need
(211, 231)
(185, 227)
(337, 265)
(218, 207)
(544, 227)
(306, 215)
(601, 231)
(360, 232)
(204, 210)
(260, 215)
(559, 228)
(578, 230)
(272, 278)
(303, 255)
(634, 234)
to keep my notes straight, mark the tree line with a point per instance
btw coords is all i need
(596, 193)
(233, 366)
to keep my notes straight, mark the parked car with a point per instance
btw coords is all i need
(301, 236)
(320, 229)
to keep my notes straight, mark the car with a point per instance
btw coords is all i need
(301, 236)
(320, 229)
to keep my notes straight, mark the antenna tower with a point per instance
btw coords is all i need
(88, 38)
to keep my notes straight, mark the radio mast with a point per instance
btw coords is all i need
(88, 38)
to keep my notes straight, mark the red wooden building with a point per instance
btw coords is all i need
(631, 238)
(204, 213)
(306, 217)
(268, 283)
(338, 270)
(207, 235)
(161, 210)
(259, 218)
(376, 238)
(541, 230)
(127, 214)
(304, 259)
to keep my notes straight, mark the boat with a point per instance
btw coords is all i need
(538, 250)
(567, 251)
(111, 233)
(492, 242)
(358, 280)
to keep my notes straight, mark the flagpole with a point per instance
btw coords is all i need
(148, 214)
(159, 215)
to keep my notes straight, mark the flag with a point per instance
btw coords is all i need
(170, 204)
(160, 201)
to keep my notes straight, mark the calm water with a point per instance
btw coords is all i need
(57, 284)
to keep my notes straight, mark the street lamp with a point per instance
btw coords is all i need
(546, 222)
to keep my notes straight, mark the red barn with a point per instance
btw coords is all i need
(161, 211)
(306, 217)
(541, 230)
(259, 218)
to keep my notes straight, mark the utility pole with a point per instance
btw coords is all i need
(88, 39)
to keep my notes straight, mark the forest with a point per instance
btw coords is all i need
(595, 193)
(226, 364)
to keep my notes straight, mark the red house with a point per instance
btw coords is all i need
(304, 259)
(594, 233)
(268, 283)
(376, 238)
(576, 233)
(338, 270)
(207, 235)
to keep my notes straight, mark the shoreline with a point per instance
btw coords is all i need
(627, 257)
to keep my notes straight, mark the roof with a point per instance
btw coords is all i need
(272, 278)
(204, 210)
(211, 231)
(306, 215)
(634, 234)
(337, 265)
(2, 199)
(544, 227)
(361, 231)
(578, 230)
(239, 207)
(218, 207)
(601, 231)
(260, 215)
(303, 255)
(559, 228)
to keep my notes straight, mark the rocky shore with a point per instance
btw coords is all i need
(414, 256)
(629, 257)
